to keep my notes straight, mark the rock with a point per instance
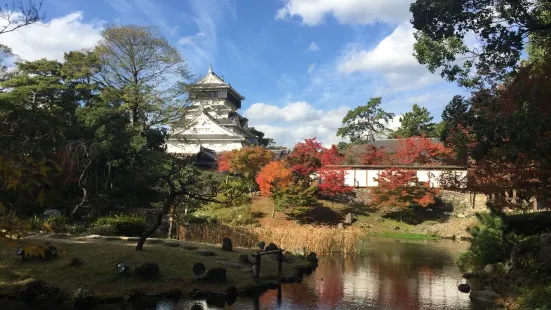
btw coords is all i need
(75, 262)
(348, 219)
(227, 245)
(312, 258)
(244, 259)
(370, 226)
(271, 247)
(231, 295)
(464, 288)
(83, 298)
(174, 294)
(37, 290)
(340, 226)
(48, 213)
(429, 210)
(298, 251)
(147, 271)
(261, 245)
(489, 269)
(92, 237)
(230, 264)
(545, 248)
(206, 253)
(500, 269)
(487, 296)
(216, 275)
(461, 216)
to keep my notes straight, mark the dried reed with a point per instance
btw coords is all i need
(319, 239)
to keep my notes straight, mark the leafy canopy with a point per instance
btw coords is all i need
(447, 29)
(365, 123)
(418, 122)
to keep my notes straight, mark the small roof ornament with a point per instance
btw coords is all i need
(210, 68)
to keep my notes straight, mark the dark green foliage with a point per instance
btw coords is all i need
(365, 123)
(418, 122)
(295, 200)
(122, 225)
(444, 28)
(262, 141)
(529, 223)
(498, 235)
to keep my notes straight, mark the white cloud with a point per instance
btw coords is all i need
(313, 47)
(313, 12)
(51, 40)
(296, 121)
(392, 58)
(311, 68)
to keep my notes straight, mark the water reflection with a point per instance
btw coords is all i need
(387, 275)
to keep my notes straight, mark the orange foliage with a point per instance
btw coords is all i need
(274, 173)
(246, 161)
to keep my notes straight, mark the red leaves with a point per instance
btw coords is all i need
(308, 156)
(276, 173)
(402, 189)
(332, 182)
(374, 155)
(421, 151)
(305, 158)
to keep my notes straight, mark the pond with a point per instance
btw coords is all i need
(387, 274)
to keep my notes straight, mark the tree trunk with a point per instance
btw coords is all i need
(84, 195)
(273, 212)
(166, 208)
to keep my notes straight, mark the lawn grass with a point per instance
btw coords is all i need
(408, 236)
(100, 258)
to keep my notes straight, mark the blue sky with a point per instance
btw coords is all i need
(301, 64)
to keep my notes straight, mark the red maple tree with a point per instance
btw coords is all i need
(402, 189)
(374, 155)
(305, 158)
(331, 156)
(332, 183)
(420, 151)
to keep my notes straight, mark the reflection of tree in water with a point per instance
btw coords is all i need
(388, 276)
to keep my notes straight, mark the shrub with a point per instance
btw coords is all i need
(235, 191)
(124, 225)
(77, 229)
(102, 229)
(57, 224)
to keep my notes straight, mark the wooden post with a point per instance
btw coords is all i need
(474, 200)
(256, 273)
(535, 204)
(515, 196)
(279, 295)
(279, 262)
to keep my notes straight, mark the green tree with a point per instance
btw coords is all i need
(418, 122)
(501, 29)
(365, 123)
(142, 70)
(262, 141)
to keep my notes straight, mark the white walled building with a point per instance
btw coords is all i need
(213, 121)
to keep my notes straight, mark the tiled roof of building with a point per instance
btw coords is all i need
(390, 145)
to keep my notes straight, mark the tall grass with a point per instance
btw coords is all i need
(319, 239)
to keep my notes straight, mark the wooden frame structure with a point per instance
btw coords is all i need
(258, 255)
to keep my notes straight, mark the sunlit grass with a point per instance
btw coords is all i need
(98, 272)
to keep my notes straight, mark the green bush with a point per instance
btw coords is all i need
(57, 224)
(536, 298)
(102, 229)
(229, 215)
(77, 229)
(235, 191)
(123, 225)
